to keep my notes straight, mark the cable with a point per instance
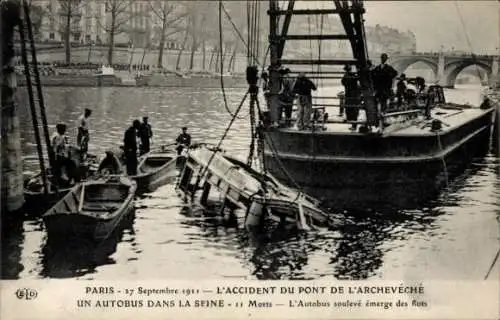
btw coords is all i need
(467, 38)
(221, 52)
(222, 139)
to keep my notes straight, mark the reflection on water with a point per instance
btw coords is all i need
(454, 236)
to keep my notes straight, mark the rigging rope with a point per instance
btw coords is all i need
(238, 32)
(221, 52)
(201, 174)
(468, 39)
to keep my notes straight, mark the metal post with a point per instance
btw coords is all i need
(274, 44)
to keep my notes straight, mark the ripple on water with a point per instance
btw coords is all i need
(453, 236)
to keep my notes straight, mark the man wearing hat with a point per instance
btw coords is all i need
(183, 141)
(145, 133)
(82, 138)
(130, 148)
(286, 96)
(303, 87)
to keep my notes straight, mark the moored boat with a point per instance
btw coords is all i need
(156, 168)
(91, 210)
(34, 191)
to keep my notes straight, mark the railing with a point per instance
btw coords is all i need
(394, 114)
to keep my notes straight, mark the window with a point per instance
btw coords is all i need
(76, 36)
(87, 38)
(52, 36)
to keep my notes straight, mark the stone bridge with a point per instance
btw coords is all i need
(447, 66)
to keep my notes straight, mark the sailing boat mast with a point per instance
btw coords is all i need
(351, 15)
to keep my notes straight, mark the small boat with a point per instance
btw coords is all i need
(156, 168)
(34, 194)
(241, 186)
(91, 210)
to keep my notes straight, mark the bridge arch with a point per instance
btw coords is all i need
(452, 70)
(401, 64)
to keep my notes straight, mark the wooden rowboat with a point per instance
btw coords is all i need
(34, 195)
(91, 210)
(156, 168)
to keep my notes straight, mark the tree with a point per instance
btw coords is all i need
(170, 17)
(69, 10)
(117, 17)
(37, 14)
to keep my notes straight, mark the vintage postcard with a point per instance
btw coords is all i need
(250, 159)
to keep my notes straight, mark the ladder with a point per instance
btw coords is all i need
(351, 15)
(35, 94)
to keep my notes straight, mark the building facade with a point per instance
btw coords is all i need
(91, 21)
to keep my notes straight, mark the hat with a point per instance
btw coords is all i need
(184, 128)
(88, 110)
(145, 117)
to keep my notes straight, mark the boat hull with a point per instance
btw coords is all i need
(149, 182)
(91, 210)
(64, 227)
(152, 178)
(393, 171)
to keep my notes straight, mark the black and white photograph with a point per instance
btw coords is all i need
(333, 142)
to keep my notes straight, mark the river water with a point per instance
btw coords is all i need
(454, 236)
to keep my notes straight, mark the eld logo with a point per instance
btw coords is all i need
(26, 294)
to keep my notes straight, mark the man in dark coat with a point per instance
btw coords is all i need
(352, 95)
(130, 148)
(303, 88)
(145, 133)
(183, 140)
(383, 75)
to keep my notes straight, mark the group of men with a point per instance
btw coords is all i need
(144, 132)
(136, 142)
(63, 160)
(383, 77)
(290, 89)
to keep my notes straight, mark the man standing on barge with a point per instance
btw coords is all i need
(383, 76)
(303, 87)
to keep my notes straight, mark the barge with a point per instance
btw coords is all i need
(398, 156)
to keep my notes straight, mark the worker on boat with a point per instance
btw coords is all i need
(352, 95)
(401, 89)
(383, 75)
(265, 82)
(82, 138)
(303, 88)
(183, 141)
(110, 164)
(145, 134)
(130, 148)
(59, 143)
(286, 96)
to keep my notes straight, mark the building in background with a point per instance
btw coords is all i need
(90, 21)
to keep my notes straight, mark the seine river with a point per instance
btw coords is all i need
(454, 236)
